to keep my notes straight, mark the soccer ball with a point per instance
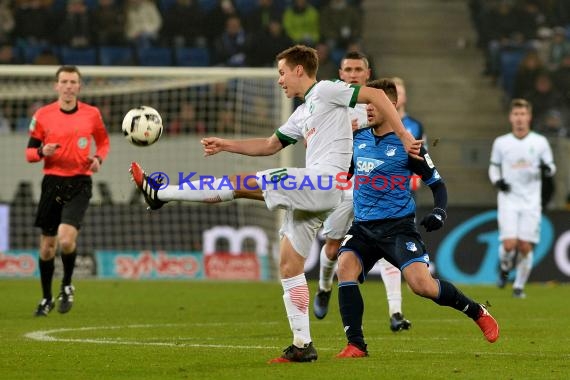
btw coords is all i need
(142, 126)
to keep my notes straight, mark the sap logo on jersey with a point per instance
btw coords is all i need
(366, 165)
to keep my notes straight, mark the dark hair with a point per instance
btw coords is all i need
(387, 85)
(356, 55)
(67, 69)
(301, 55)
(520, 103)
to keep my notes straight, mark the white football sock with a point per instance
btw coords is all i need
(221, 191)
(506, 258)
(524, 267)
(392, 278)
(296, 299)
(326, 272)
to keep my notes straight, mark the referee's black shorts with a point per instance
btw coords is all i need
(63, 200)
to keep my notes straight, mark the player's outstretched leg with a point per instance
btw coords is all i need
(399, 323)
(147, 185)
(44, 307)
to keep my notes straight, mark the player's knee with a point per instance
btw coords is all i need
(331, 249)
(509, 245)
(524, 247)
(349, 267)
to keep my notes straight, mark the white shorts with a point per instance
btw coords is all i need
(519, 224)
(298, 189)
(307, 197)
(340, 219)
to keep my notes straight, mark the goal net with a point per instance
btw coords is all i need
(193, 102)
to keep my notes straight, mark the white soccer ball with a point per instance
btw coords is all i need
(142, 126)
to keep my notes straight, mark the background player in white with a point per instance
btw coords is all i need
(322, 120)
(515, 170)
(354, 69)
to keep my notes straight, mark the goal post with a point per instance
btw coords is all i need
(193, 102)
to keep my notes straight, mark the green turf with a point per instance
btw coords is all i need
(226, 330)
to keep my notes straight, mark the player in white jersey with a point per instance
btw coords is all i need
(517, 159)
(323, 122)
(354, 69)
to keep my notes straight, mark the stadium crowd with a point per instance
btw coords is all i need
(225, 33)
(526, 44)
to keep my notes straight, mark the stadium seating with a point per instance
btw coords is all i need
(29, 53)
(192, 56)
(155, 56)
(116, 56)
(77, 56)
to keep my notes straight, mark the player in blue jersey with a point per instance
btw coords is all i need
(384, 227)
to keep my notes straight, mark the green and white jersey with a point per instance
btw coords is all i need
(323, 120)
(359, 113)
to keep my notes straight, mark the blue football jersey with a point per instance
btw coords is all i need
(382, 172)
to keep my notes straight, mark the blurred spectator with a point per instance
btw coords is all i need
(231, 48)
(328, 69)
(186, 121)
(183, 24)
(301, 23)
(340, 23)
(75, 30)
(552, 125)
(6, 21)
(265, 12)
(529, 19)
(529, 68)
(561, 78)
(46, 57)
(268, 44)
(109, 23)
(498, 25)
(7, 56)
(217, 17)
(217, 98)
(559, 48)
(544, 97)
(34, 22)
(143, 22)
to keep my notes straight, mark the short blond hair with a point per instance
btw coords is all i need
(521, 103)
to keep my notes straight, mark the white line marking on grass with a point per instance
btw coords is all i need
(47, 336)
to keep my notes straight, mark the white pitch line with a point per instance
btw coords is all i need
(46, 336)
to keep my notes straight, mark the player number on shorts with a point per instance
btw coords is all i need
(346, 238)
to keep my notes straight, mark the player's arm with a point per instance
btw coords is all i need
(547, 166)
(430, 176)
(101, 138)
(248, 147)
(495, 172)
(381, 102)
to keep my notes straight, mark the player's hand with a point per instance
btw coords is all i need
(545, 170)
(434, 220)
(503, 186)
(49, 149)
(413, 146)
(94, 164)
(212, 145)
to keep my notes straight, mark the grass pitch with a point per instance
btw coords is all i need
(229, 330)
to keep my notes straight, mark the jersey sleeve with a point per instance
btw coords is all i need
(339, 93)
(101, 137)
(425, 168)
(292, 131)
(36, 129)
